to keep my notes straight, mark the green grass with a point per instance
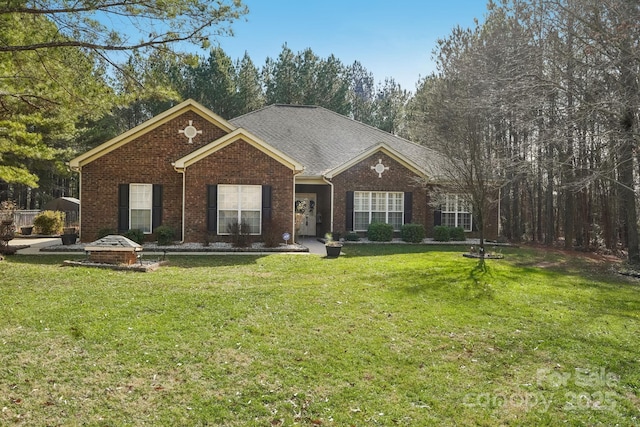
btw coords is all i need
(384, 335)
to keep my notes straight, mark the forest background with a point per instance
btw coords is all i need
(539, 102)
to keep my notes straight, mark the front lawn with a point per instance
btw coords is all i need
(383, 335)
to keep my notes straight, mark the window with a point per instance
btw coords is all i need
(456, 212)
(140, 206)
(376, 206)
(239, 203)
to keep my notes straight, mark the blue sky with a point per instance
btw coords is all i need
(390, 38)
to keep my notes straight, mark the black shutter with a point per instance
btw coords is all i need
(156, 214)
(408, 207)
(212, 208)
(349, 212)
(266, 203)
(123, 208)
(437, 217)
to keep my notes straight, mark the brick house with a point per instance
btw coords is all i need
(298, 169)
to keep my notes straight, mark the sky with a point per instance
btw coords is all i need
(391, 38)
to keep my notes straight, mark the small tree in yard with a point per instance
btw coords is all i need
(454, 115)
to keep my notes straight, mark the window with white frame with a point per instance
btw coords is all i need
(377, 206)
(140, 207)
(239, 203)
(456, 212)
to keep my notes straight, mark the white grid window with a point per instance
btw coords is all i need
(377, 206)
(241, 204)
(456, 212)
(140, 207)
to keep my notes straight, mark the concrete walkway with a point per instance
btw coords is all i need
(315, 247)
(35, 244)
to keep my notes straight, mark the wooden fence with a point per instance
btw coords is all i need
(23, 218)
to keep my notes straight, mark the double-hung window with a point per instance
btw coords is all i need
(377, 206)
(239, 204)
(456, 212)
(140, 206)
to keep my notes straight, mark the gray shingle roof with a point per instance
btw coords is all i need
(322, 140)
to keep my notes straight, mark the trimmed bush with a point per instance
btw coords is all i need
(441, 233)
(240, 234)
(380, 232)
(136, 235)
(412, 233)
(352, 237)
(49, 222)
(165, 235)
(457, 234)
(104, 232)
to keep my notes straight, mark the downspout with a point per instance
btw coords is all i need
(293, 211)
(183, 172)
(331, 215)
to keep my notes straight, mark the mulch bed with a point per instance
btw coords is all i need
(142, 266)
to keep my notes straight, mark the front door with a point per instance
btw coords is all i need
(306, 214)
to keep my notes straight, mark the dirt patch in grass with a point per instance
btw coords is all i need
(557, 258)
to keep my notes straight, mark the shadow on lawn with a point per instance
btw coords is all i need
(472, 285)
(477, 286)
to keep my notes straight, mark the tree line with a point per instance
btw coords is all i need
(540, 105)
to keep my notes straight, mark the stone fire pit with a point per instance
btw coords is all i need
(113, 249)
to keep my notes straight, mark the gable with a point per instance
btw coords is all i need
(183, 130)
(235, 136)
(379, 148)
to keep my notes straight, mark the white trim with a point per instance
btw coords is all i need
(382, 148)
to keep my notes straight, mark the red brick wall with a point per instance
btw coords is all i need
(238, 163)
(146, 159)
(361, 177)
(113, 257)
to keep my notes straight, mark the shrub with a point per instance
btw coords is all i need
(49, 222)
(441, 233)
(352, 237)
(165, 235)
(413, 233)
(380, 232)
(136, 235)
(104, 232)
(457, 234)
(240, 234)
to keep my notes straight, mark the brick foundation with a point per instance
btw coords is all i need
(113, 257)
